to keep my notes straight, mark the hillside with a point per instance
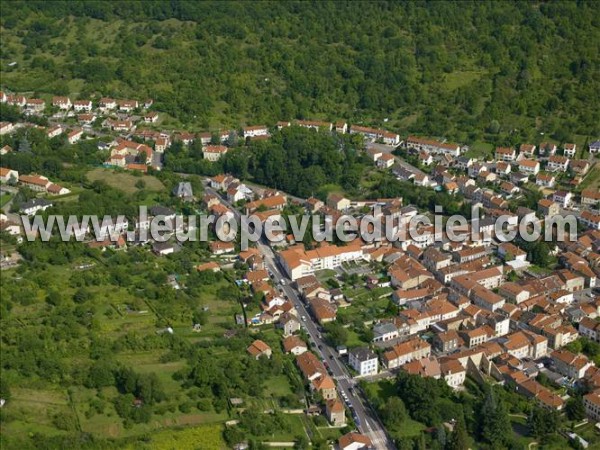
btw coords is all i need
(441, 69)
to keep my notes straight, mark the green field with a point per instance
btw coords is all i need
(124, 181)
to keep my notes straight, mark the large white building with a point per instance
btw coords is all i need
(364, 361)
(299, 262)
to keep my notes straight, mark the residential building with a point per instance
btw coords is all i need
(82, 105)
(570, 150)
(364, 361)
(529, 166)
(63, 103)
(505, 154)
(557, 163)
(214, 152)
(259, 348)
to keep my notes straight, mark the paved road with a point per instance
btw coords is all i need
(367, 422)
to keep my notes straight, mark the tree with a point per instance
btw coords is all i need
(542, 422)
(495, 425)
(393, 411)
(458, 439)
(575, 409)
(336, 334)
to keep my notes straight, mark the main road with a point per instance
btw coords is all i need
(365, 418)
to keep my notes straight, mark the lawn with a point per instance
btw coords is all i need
(592, 180)
(206, 437)
(480, 150)
(4, 198)
(125, 181)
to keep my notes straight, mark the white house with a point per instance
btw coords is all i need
(214, 152)
(364, 361)
(570, 150)
(82, 105)
(256, 130)
(563, 198)
(558, 163)
(34, 206)
(63, 103)
(529, 166)
(7, 174)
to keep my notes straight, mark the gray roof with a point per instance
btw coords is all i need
(183, 189)
(363, 353)
(161, 211)
(384, 328)
(35, 202)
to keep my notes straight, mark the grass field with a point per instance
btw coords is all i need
(4, 198)
(124, 181)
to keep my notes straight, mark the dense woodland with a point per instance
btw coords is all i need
(464, 70)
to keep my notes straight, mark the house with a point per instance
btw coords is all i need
(384, 331)
(36, 183)
(5, 150)
(313, 205)
(294, 345)
(161, 144)
(32, 207)
(221, 248)
(82, 105)
(542, 396)
(127, 105)
(529, 166)
(276, 202)
(591, 402)
(590, 220)
(563, 198)
(107, 103)
(400, 354)
(569, 364)
(590, 197)
(453, 372)
(557, 163)
(151, 117)
(74, 136)
(6, 127)
(425, 158)
(341, 127)
(183, 190)
(547, 149)
(335, 412)
(354, 441)
(55, 189)
(54, 131)
(594, 147)
(311, 367)
(505, 154)
(7, 175)
(510, 252)
(548, 208)
(570, 150)
(579, 166)
(447, 341)
(338, 202)
(35, 104)
(258, 348)
(289, 324)
(214, 152)
(212, 266)
(364, 361)
(254, 131)
(432, 146)
(527, 150)
(386, 161)
(86, 119)
(508, 188)
(63, 103)
(163, 248)
(315, 125)
(545, 180)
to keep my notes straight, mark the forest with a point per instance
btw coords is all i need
(468, 71)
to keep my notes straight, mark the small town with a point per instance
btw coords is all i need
(349, 315)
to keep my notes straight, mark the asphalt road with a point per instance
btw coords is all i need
(365, 418)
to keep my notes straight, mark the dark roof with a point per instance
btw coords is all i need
(35, 202)
(161, 211)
